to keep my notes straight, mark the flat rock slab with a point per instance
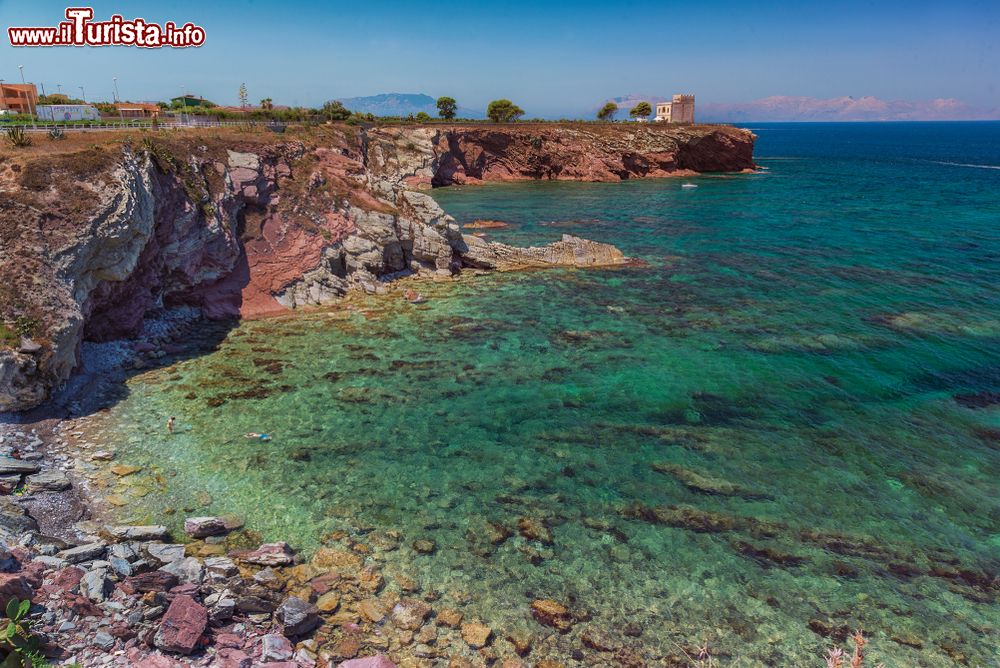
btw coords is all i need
(144, 532)
(48, 481)
(12, 465)
(202, 527)
(165, 552)
(182, 626)
(377, 661)
(81, 553)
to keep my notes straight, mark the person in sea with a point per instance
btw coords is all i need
(170, 424)
(260, 437)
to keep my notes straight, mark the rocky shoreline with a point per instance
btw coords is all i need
(106, 594)
(121, 252)
(241, 225)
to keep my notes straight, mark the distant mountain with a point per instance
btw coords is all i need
(787, 108)
(401, 104)
(869, 108)
(625, 104)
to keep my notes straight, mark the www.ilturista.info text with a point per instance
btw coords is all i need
(80, 30)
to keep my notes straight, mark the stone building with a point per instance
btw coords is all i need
(680, 109)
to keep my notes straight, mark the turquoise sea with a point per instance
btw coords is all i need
(785, 426)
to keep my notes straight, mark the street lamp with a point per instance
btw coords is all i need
(27, 95)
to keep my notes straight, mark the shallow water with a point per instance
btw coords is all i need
(809, 354)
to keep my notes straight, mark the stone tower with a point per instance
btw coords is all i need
(682, 109)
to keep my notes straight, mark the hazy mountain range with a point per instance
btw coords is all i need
(868, 108)
(401, 104)
(777, 108)
(787, 108)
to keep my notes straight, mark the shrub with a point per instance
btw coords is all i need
(21, 645)
(17, 137)
(56, 134)
(335, 111)
(503, 111)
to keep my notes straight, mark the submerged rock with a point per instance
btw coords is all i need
(706, 484)
(202, 527)
(476, 635)
(377, 661)
(553, 614)
(410, 614)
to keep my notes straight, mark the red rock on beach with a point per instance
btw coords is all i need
(13, 585)
(182, 626)
(377, 661)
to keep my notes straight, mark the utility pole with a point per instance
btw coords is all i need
(83, 95)
(117, 99)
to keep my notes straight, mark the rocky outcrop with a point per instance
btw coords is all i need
(574, 152)
(241, 224)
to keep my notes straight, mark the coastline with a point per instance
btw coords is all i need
(385, 230)
(354, 609)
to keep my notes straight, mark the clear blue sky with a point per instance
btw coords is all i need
(549, 57)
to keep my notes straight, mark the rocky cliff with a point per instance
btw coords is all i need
(99, 230)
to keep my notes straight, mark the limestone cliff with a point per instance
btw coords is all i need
(97, 231)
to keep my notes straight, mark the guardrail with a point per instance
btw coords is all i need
(126, 125)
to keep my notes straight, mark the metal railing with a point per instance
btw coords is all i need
(46, 126)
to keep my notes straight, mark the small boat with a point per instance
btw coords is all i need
(688, 185)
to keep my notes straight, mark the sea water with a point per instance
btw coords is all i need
(803, 381)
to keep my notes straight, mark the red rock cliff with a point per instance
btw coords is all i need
(98, 231)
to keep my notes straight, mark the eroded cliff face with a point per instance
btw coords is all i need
(575, 152)
(92, 240)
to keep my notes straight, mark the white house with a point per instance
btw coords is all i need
(67, 112)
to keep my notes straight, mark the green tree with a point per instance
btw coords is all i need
(267, 104)
(447, 107)
(641, 110)
(503, 111)
(607, 112)
(335, 111)
(243, 96)
(423, 116)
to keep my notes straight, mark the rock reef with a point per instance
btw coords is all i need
(96, 235)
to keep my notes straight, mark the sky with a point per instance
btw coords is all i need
(551, 58)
